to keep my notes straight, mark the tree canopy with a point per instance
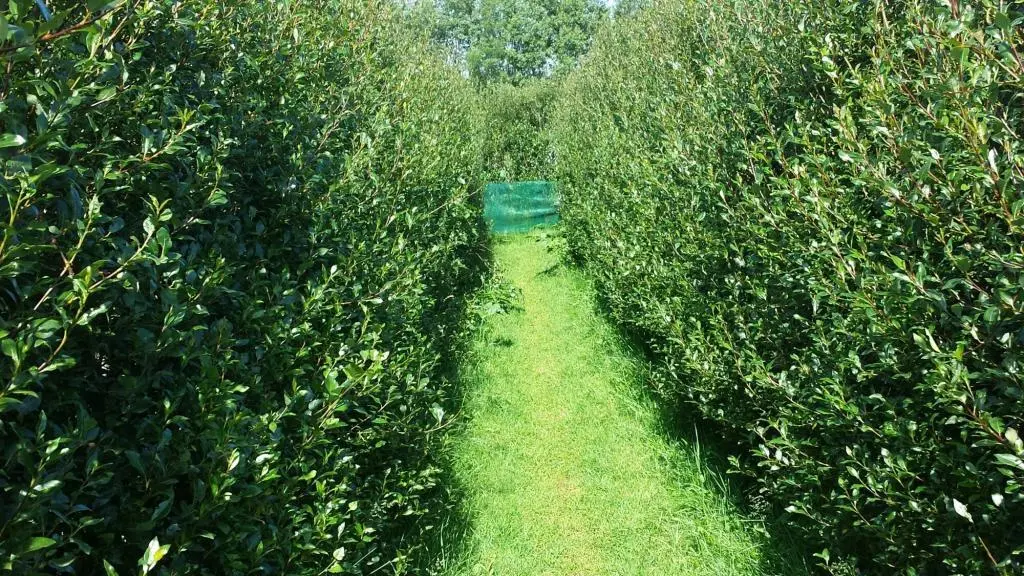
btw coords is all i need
(513, 40)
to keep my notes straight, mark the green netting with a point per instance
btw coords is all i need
(521, 206)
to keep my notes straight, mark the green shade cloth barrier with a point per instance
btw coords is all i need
(520, 207)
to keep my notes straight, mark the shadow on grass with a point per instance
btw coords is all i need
(708, 442)
(782, 550)
(443, 547)
(435, 541)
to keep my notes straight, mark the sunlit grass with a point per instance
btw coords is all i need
(562, 461)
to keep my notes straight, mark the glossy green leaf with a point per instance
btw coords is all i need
(11, 140)
(39, 543)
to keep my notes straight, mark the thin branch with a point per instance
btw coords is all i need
(117, 31)
(50, 36)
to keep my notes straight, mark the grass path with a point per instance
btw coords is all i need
(564, 467)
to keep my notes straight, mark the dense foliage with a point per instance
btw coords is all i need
(812, 211)
(513, 130)
(512, 40)
(231, 262)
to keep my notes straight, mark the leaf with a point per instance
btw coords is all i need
(97, 6)
(991, 314)
(10, 349)
(233, 460)
(47, 486)
(135, 460)
(115, 225)
(1002, 21)
(1010, 460)
(39, 543)
(154, 552)
(1012, 436)
(339, 554)
(438, 412)
(4, 28)
(147, 556)
(161, 509)
(352, 371)
(109, 569)
(961, 509)
(92, 314)
(218, 198)
(161, 552)
(11, 140)
(106, 94)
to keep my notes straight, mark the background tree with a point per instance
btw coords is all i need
(513, 40)
(621, 8)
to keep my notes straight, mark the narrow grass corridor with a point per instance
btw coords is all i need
(565, 468)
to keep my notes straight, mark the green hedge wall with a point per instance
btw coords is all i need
(812, 211)
(235, 241)
(513, 121)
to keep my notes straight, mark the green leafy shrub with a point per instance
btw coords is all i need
(813, 214)
(235, 243)
(513, 130)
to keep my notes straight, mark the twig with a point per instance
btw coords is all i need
(117, 30)
(988, 552)
(50, 36)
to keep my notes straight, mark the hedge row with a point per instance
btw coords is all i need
(812, 211)
(512, 124)
(232, 261)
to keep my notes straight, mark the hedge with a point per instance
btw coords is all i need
(512, 121)
(812, 213)
(232, 265)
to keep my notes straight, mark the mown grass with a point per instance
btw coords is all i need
(563, 463)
